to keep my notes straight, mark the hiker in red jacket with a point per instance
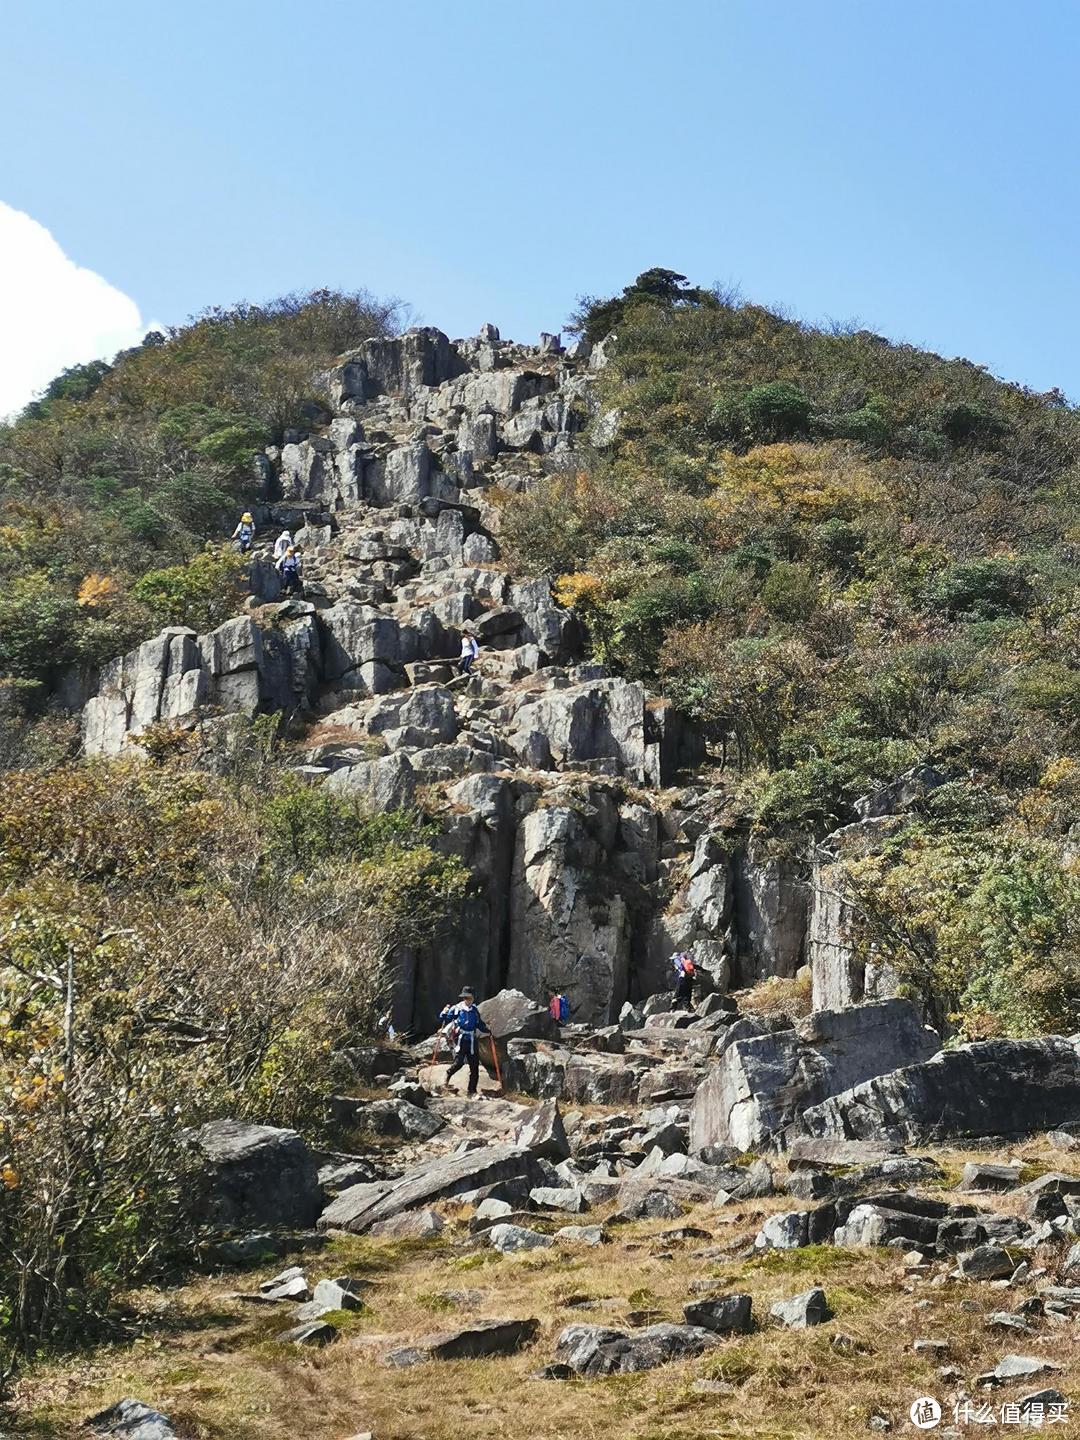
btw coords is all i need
(684, 979)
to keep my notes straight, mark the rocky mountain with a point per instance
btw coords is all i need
(576, 797)
(695, 1177)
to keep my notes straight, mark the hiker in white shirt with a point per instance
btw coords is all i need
(469, 652)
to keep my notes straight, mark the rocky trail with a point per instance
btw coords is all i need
(552, 779)
(692, 1222)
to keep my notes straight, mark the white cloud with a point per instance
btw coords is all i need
(53, 313)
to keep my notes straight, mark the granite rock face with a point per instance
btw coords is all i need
(762, 1084)
(992, 1087)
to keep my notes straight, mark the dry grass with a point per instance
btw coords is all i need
(334, 732)
(778, 996)
(213, 1364)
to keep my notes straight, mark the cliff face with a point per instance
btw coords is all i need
(573, 795)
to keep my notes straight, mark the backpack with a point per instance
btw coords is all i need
(687, 964)
(564, 1009)
(290, 565)
(245, 532)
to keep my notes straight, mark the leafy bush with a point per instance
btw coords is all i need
(305, 825)
(790, 591)
(982, 590)
(167, 957)
(868, 426)
(764, 415)
(986, 923)
(203, 593)
(38, 626)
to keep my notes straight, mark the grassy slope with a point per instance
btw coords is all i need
(212, 1362)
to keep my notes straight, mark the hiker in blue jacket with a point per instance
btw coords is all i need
(468, 1025)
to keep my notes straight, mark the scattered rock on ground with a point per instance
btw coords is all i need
(808, 1308)
(722, 1314)
(132, 1420)
(470, 1342)
(508, 1238)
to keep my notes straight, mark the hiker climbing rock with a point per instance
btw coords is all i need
(470, 650)
(244, 533)
(282, 544)
(465, 1025)
(684, 979)
(289, 568)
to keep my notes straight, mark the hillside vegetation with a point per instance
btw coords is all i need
(847, 558)
(175, 944)
(848, 561)
(113, 482)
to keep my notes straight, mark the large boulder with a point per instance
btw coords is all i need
(361, 648)
(761, 1084)
(399, 364)
(470, 1342)
(548, 626)
(992, 1087)
(599, 1350)
(596, 720)
(542, 1132)
(360, 1207)
(808, 1308)
(388, 783)
(723, 1314)
(255, 1175)
(511, 1015)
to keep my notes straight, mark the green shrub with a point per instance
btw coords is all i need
(983, 589)
(762, 415)
(868, 426)
(39, 626)
(305, 825)
(202, 594)
(790, 592)
(966, 424)
(836, 544)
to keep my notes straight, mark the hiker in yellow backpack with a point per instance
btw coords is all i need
(244, 533)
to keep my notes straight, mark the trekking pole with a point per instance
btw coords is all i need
(495, 1057)
(435, 1052)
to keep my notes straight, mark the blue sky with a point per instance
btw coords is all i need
(911, 167)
